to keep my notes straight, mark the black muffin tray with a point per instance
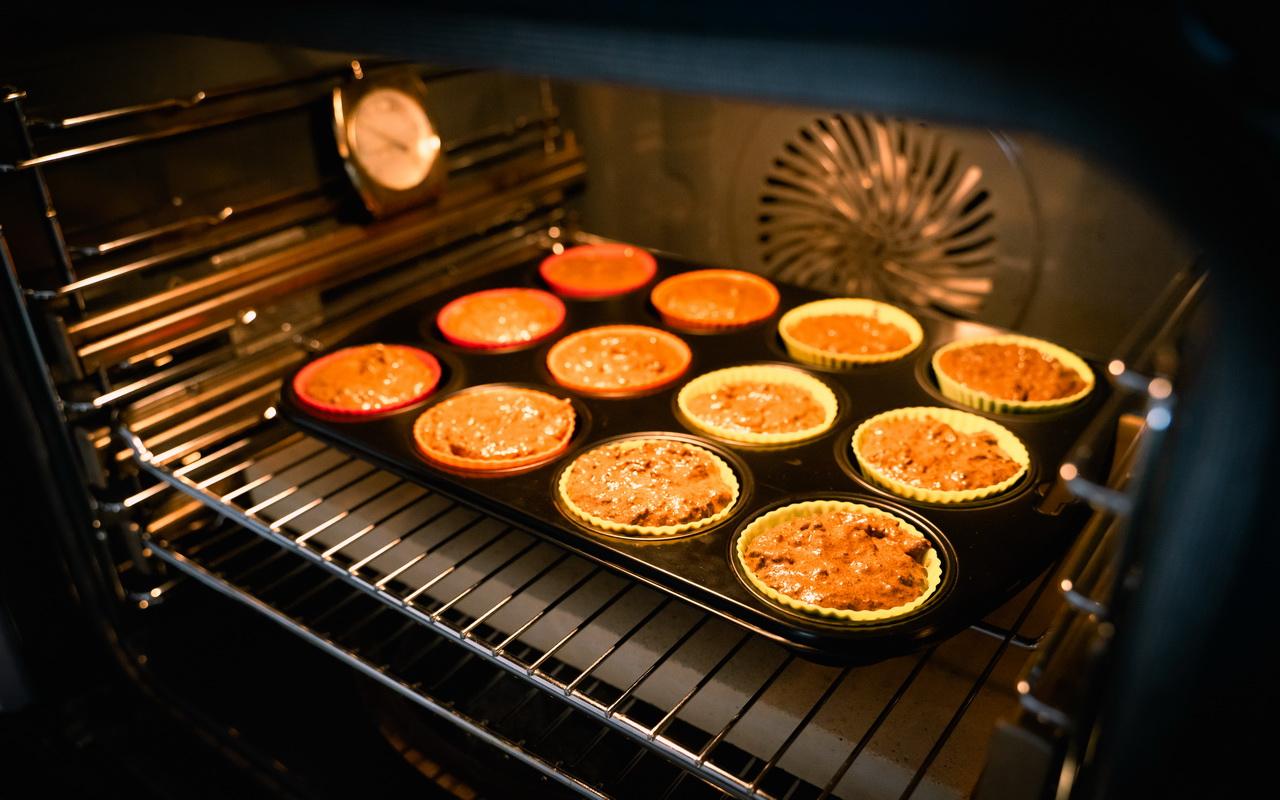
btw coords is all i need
(990, 549)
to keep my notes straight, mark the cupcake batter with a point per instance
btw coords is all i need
(1011, 372)
(842, 559)
(651, 483)
(933, 455)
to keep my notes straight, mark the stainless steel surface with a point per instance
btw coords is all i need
(1078, 252)
(865, 206)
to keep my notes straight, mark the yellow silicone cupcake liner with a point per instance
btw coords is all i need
(961, 421)
(711, 381)
(650, 531)
(852, 306)
(954, 390)
(766, 522)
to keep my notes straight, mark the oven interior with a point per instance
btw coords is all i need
(179, 234)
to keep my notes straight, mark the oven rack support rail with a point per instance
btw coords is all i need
(271, 448)
(1142, 373)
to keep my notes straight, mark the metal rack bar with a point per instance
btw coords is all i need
(973, 692)
(297, 468)
(177, 104)
(444, 711)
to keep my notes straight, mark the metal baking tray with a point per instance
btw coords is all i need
(990, 549)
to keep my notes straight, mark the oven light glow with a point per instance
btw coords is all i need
(1159, 418)
(554, 232)
(1160, 388)
(1023, 687)
(248, 316)
(155, 592)
(557, 248)
(1066, 584)
(1116, 367)
(1068, 472)
(270, 413)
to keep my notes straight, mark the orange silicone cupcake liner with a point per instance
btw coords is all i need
(303, 376)
(491, 464)
(675, 342)
(663, 293)
(648, 267)
(446, 319)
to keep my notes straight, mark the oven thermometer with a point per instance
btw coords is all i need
(387, 142)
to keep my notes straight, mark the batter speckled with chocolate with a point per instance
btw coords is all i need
(854, 334)
(1011, 372)
(932, 455)
(651, 483)
(842, 559)
(758, 407)
(496, 424)
(501, 317)
(617, 359)
(369, 377)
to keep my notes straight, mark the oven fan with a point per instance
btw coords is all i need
(870, 206)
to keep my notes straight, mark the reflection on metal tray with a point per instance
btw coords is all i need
(991, 550)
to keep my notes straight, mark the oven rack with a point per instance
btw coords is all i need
(427, 669)
(538, 613)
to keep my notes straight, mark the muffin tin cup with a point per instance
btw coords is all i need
(854, 307)
(648, 268)
(961, 421)
(444, 319)
(727, 474)
(759, 373)
(303, 376)
(678, 346)
(770, 520)
(662, 292)
(493, 465)
(953, 389)
(990, 549)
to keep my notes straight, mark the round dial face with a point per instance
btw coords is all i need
(392, 139)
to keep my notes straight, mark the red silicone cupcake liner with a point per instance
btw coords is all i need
(677, 344)
(649, 268)
(662, 292)
(445, 318)
(303, 375)
(496, 464)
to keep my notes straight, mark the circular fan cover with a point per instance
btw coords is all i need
(875, 207)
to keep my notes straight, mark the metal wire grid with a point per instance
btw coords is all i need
(450, 681)
(731, 707)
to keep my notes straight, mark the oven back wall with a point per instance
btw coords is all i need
(1073, 253)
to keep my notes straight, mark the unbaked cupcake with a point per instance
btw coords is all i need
(714, 299)
(839, 560)
(1011, 373)
(501, 318)
(496, 427)
(367, 379)
(618, 360)
(759, 404)
(648, 487)
(939, 455)
(598, 270)
(843, 332)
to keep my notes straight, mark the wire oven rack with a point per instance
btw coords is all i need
(733, 709)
